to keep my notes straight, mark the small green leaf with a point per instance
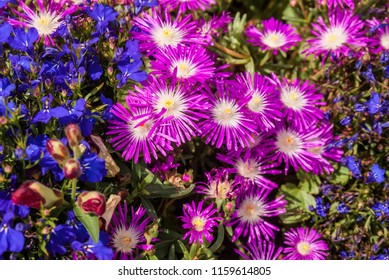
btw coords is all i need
(168, 191)
(220, 238)
(341, 176)
(91, 223)
(149, 207)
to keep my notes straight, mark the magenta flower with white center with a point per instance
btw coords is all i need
(275, 36)
(249, 217)
(262, 250)
(127, 233)
(175, 109)
(190, 64)
(218, 186)
(304, 244)
(332, 4)
(250, 170)
(213, 27)
(261, 98)
(156, 32)
(229, 123)
(344, 34)
(300, 100)
(186, 5)
(131, 132)
(379, 41)
(199, 222)
(292, 147)
(45, 16)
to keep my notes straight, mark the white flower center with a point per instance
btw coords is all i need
(226, 113)
(198, 223)
(334, 38)
(293, 98)
(219, 189)
(125, 240)
(251, 210)
(288, 142)
(140, 132)
(304, 248)
(274, 39)
(45, 23)
(185, 69)
(167, 36)
(248, 169)
(257, 102)
(316, 150)
(173, 102)
(385, 41)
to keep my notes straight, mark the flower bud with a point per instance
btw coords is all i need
(73, 134)
(57, 150)
(33, 194)
(72, 169)
(92, 203)
(187, 177)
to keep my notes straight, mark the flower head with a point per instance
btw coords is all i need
(186, 5)
(262, 250)
(304, 244)
(199, 222)
(379, 31)
(275, 36)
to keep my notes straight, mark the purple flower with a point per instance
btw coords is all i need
(262, 250)
(127, 232)
(24, 41)
(99, 250)
(139, 4)
(61, 236)
(304, 244)
(376, 174)
(10, 239)
(337, 3)
(379, 42)
(47, 112)
(199, 222)
(252, 208)
(218, 185)
(93, 168)
(344, 34)
(190, 64)
(275, 35)
(213, 27)
(187, 5)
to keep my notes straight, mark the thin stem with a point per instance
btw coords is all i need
(74, 187)
(229, 51)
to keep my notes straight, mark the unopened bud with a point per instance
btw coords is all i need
(72, 169)
(73, 134)
(187, 177)
(58, 150)
(92, 203)
(33, 194)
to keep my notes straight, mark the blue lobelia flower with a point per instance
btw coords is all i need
(376, 174)
(342, 208)
(93, 168)
(103, 15)
(10, 239)
(139, 4)
(353, 166)
(368, 74)
(24, 41)
(381, 210)
(346, 120)
(373, 104)
(78, 228)
(47, 112)
(130, 71)
(100, 249)
(6, 205)
(6, 87)
(5, 31)
(61, 236)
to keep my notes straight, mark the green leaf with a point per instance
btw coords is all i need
(168, 191)
(220, 238)
(149, 207)
(163, 248)
(91, 223)
(341, 176)
(172, 252)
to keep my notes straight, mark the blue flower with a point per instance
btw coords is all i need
(100, 249)
(381, 210)
(353, 166)
(47, 112)
(378, 126)
(93, 168)
(368, 74)
(10, 239)
(346, 120)
(130, 71)
(78, 228)
(5, 30)
(33, 153)
(139, 4)
(376, 174)
(6, 205)
(24, 41)
(103, 15)
(94, 68)
(342, 208)
(321, 209)
(6, 87)
(373, 104)
(61, 236)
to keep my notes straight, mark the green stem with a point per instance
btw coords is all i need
(74, 187)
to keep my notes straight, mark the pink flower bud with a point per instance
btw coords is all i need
(57, 150)
(72, 169)
(186, 177)
(73, 134)
(92, 203)
(33, 194)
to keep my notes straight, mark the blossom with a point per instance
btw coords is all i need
(275, 36)
(353, 166)
(48, 112)
(338, 3)
(46, 17)
(189, 64)
(376, 174)
(10, 239)
(133, 135)
(213, 27)
(262, 250)
(344, 34)
(379, 41)
(99, 250)
(229, 122)
(253, 207)
(155, 33)
(102, 14)
(127, 232)
(218, 185)
(304, 244)
(199, 222)
(186, 5)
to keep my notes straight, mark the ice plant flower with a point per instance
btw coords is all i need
(262, 250)
(379, 42)
(190, 64)
(275, 36)
(229, 123)
(304, 244)
(213, 27)
(186, 5)
(261, 98)
(249, 217)
(132, 134)
(218, 187)
(45, 16)
(127, 232)
(155, 33)
(199, 222)
(345, 33)
(337, 3)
